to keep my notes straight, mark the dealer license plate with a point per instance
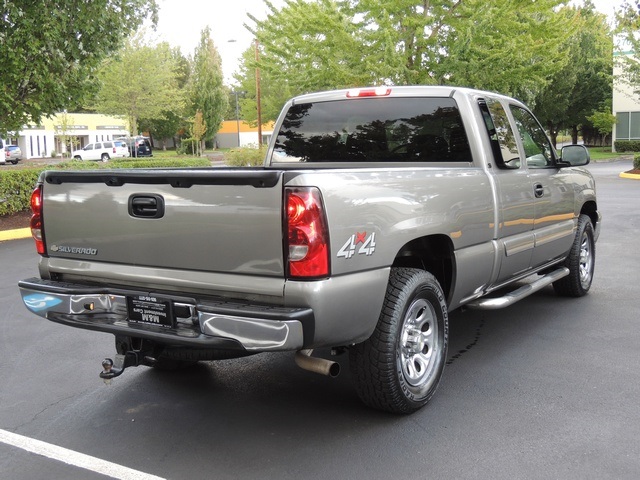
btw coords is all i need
(150, 310)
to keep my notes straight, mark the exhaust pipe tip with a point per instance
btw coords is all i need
(322, 366)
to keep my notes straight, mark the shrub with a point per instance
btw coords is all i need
(636, 161)
(623, 146)
(15, 189)
(245, 157)
(188, 146)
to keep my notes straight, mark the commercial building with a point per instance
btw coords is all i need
(65, 131)
(626, 103)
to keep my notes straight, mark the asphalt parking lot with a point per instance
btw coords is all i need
(547, 388)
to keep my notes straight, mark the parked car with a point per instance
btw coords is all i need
(101, 151)
(13, 153)
(121, 148)
(139, 146)
(2, 154)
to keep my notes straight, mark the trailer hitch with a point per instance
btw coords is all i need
(132, 358)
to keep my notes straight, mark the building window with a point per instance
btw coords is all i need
(628, 126)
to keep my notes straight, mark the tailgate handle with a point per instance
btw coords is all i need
(146, 206)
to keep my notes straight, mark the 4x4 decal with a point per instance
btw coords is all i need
(350, 248)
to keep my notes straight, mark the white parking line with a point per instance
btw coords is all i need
(76, 459)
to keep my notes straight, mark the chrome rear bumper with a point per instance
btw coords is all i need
(199, 322)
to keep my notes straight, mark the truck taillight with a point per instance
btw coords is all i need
(307, 246)
(36, 220)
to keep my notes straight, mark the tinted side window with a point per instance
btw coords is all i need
(107, 145)
(373, 130)
(537, 148)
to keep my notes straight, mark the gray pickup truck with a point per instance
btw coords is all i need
(377, 212)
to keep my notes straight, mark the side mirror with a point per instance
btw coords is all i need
(575, 155)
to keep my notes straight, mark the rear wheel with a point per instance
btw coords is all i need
(104, 157)
(580, 262)
(399, 367)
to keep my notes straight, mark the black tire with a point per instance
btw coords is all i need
(580, 262)
(104, 157)
(15, 162)
(77, 157)
(399, 367)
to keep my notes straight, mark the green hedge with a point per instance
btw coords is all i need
(636, 161)
(623, 146)
(15, 189)
(16, 185)
(245, 157)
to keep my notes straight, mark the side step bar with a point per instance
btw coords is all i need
(518, 294)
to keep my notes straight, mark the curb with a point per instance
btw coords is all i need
(632, 176)
(15, 234)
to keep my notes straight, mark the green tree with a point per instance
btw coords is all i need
(50, 51)
(139, 83)
(206, 89)
(603, 121)
(173, 119)
(198, 130)
(585, 82)
(511, 46)
(275, 90)
(67, 141)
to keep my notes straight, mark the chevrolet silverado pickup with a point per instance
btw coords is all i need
(376, 213)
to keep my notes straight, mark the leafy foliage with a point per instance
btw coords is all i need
(584, 84)
(52, 49)
(245, 157)
(206, 90)
(139, 83)
(15, 189)
(625, 146)
(511, 46)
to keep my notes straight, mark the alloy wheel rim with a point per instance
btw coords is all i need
(418, 345)
(586, 261)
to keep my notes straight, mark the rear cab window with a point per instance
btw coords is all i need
(393, 129)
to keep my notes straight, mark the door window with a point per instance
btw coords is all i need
(500, 131)
(537, 148)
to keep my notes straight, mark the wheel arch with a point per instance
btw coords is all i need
(590, 209)
(434, 254)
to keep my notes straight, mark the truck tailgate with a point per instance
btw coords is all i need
(226, 220)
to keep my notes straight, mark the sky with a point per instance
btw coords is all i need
(181, 21)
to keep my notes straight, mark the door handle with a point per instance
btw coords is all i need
(146, 206)
(538, 190)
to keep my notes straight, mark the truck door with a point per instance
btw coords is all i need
(515, 197)
(554, 218)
